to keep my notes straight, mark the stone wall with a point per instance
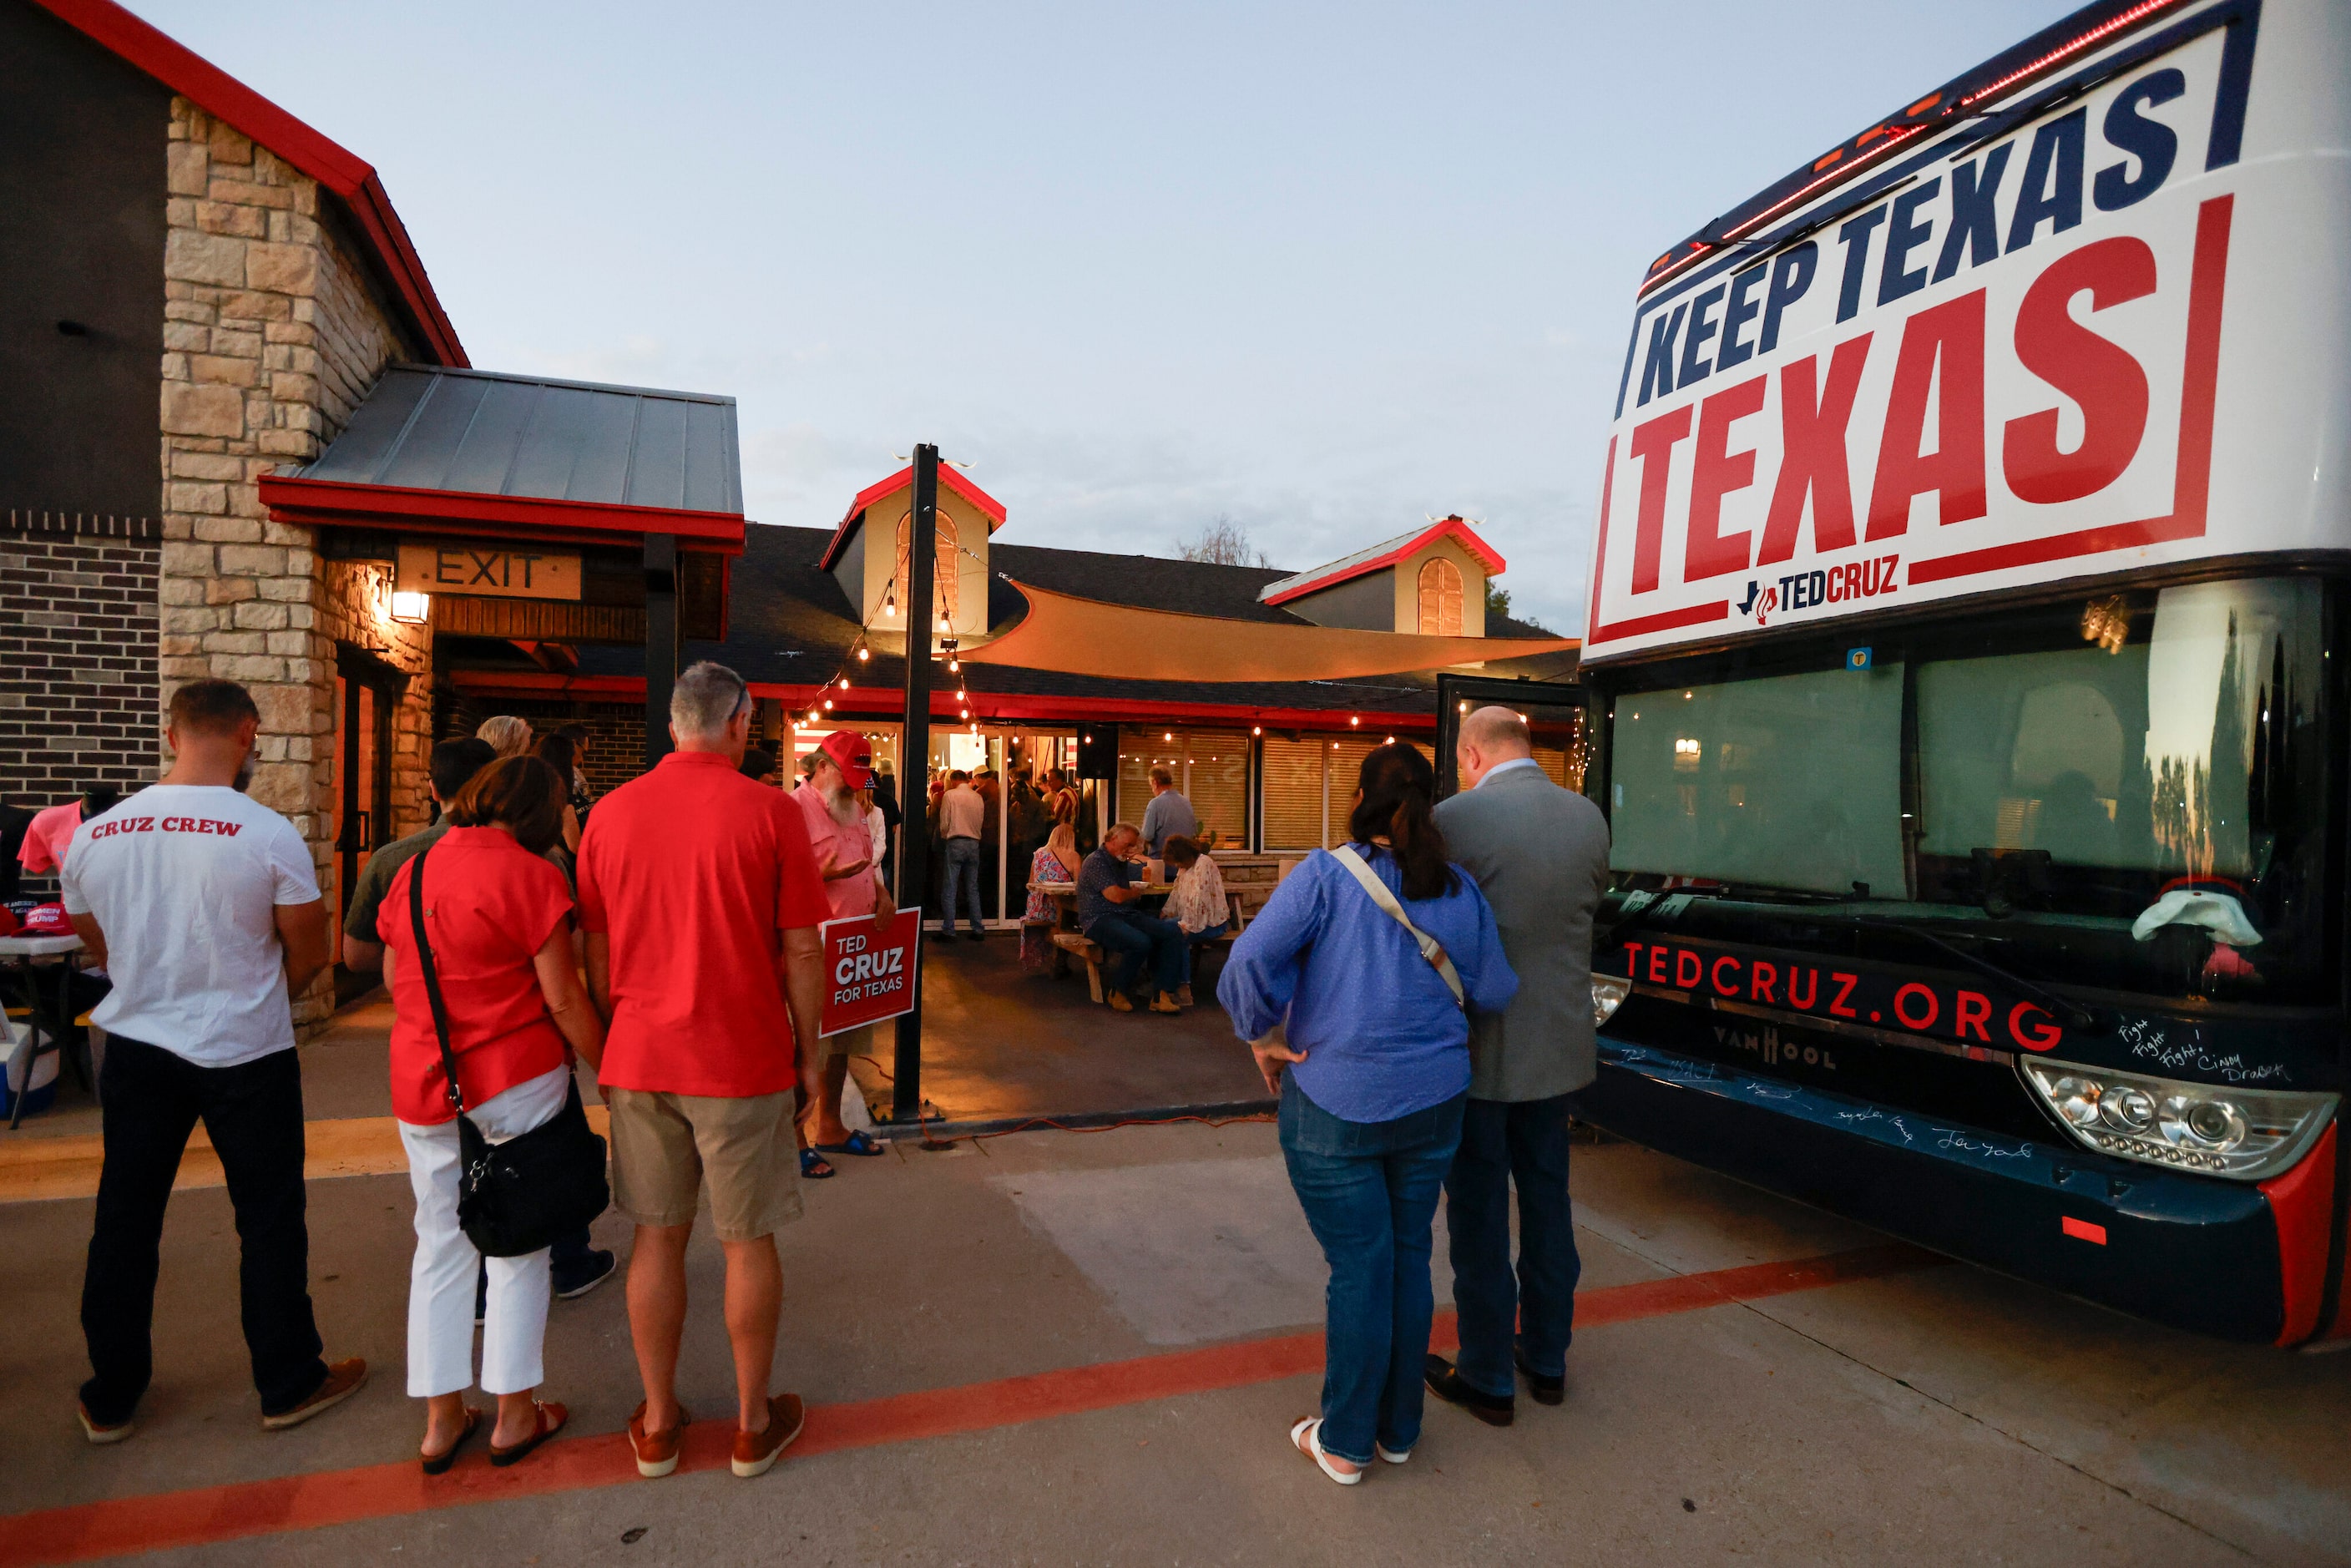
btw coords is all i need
(272, 337)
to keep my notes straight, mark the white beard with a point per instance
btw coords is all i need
(841, 801)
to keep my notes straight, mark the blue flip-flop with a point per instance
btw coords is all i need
(857, 1144)
(810, 1160)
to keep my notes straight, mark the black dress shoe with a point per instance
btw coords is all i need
(1446, 1385)
(1546, 1390)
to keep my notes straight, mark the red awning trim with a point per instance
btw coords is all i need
(333, 503)
(989, 507)
(1452, 528)
(336, 167)
(990, 708)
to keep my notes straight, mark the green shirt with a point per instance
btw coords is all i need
(375, 879)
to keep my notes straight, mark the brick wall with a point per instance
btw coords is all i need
(77, 678)
(616, 733)
(272, 337)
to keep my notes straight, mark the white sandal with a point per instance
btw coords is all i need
(1381, 1449)
(1306, 1437)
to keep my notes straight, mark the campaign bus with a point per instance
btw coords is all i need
(1973, 542)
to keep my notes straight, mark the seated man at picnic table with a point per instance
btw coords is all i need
(1110, 916)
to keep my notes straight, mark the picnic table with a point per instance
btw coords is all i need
(23, 955)
(1070, 942)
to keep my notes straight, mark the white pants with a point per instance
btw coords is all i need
(440, 1282)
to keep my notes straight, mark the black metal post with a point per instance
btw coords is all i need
(661, 640)
(914, 760)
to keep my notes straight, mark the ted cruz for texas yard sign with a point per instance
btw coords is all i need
(868, 973)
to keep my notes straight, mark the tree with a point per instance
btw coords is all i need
(1223, 543)
(1498, 603)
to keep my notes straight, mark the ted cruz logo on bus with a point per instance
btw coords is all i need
(2003, 367)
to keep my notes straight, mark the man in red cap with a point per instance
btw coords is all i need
(834, 802)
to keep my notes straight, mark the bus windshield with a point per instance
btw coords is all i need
(2126, 792)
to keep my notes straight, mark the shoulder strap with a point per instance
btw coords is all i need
(1430, 948)
(432, 976)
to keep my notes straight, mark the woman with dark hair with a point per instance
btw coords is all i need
(498, 917)
(559, 752)
(1366, 957)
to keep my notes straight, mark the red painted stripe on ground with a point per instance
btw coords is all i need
(213, 1514)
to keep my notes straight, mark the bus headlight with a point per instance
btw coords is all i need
(2215, 1129)
(1608, 994)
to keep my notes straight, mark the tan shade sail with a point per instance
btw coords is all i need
(1086, 637)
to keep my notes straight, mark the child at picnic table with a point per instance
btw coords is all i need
(1056, 861)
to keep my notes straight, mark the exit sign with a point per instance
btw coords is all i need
(489, 571)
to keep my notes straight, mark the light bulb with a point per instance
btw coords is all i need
(828, 705)
(1356, 721)
(844, 683)
(1256, 729)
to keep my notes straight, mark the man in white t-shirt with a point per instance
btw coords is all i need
(203, 907)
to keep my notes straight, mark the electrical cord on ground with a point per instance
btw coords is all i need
(923, 1119)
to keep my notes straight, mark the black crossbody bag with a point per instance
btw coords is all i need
(517, 1197)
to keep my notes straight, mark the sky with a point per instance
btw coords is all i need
(1325, 270)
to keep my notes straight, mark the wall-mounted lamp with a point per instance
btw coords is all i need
(412, 609)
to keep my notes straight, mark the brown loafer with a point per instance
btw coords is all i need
(756, 1452)
(546, 1420)
(344, 1378)
(656, 1451)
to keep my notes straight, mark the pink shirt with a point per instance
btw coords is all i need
(44, 849)
(846, 842)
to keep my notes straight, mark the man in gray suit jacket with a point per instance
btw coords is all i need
(1540, 856)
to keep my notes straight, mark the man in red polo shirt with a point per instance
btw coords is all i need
(852, 886)
(701, 901)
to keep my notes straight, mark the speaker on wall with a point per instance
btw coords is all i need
(1097, 751)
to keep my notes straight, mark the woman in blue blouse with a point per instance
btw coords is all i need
(1378, 1053)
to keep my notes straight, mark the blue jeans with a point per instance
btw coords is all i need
(963, 870)
(1208, 935)
(1128, 941)
(1369, 1189)
(1500, 1142)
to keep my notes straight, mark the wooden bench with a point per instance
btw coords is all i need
(1089, 953)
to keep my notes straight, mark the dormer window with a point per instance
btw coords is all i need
(944, 567)
(1440, 598)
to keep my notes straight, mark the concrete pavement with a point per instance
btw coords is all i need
(1148, 1288)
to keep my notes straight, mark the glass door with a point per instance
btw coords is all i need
(361, 795)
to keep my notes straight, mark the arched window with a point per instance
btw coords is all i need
(944, 575)
(1440, 598)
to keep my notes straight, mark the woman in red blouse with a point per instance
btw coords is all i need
(499, 916)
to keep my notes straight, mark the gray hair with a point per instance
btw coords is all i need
(507, 735)
(1499, 728)
(706, 697)
(1118, 828)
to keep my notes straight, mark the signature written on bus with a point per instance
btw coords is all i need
(1934, 1007)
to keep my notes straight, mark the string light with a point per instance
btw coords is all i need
(861, 654)
(1354, 721)
(1256, 729)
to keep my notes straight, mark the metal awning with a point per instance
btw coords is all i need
(434, 449)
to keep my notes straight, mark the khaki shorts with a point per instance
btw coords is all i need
(664, 1144)
(852, 1042)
